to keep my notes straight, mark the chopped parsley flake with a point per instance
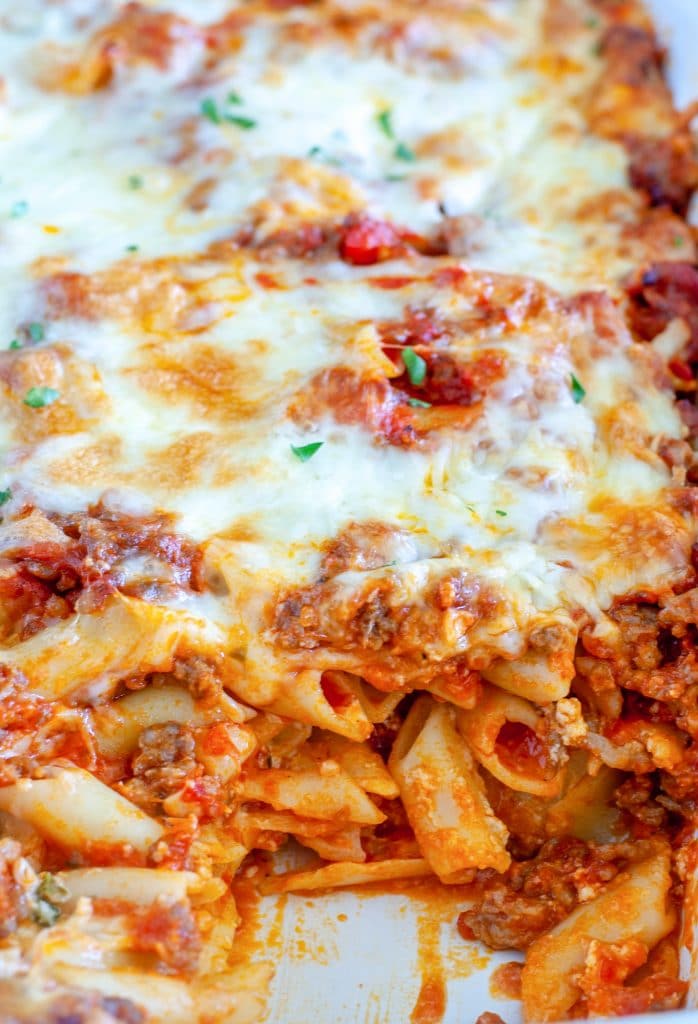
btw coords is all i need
(385, 123)
(131, 248)
(38, 397)
(210, 110)
(403, 152)
(5, 496)
(36, 331)
(45, 913)
(415, 366)
(51, 888)
(578, 392)
(135, 181)
(677, 241)
(417, 403)
(318, 153)
(500, 512)
(592, 23)
(240, 122)
(15, 343)
(396, 177)
(306, 451)
(49, 892)
(19, 209)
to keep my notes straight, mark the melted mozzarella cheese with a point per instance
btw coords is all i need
(216, 449)
(480, 135)
(187, 409)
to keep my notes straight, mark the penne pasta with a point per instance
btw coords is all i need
(634, 906)
(358, 760)
(135, 885)
(117, 726)
(91, 653)
(444, 796)
(329, 794)
(336, 876)
(74, 809)
(525, 763)
(331, 841)
(533, 676)
(167, 1000)
(325, 700)
(376, 704)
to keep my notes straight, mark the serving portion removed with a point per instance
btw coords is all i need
(347, 483)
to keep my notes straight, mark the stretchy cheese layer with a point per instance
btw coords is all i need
(176, 373)
(321, 310)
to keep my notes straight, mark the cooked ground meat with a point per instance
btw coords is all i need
(636, 796)
(633, 55)
(660, 293)
(44, 581)
(170, 932)
(161, 765)
(665, 169)
(513, 909)
(652, 657)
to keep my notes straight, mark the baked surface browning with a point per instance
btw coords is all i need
(348, 490)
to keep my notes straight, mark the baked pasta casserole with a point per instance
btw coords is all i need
(347, 484)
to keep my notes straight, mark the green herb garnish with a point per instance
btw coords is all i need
(49, 893)
(385, 123)
(36, 331)
(131, 248)
(318, 153)
(45, 913)
(51, 888)
(403, 152)
(240, 122)
(417, 403)
(677, 241)
(38, 397)
(306, 451)
(415, 366)
(15, 344)
(5, 496)
(578, 392)
(135, 181)
(500, 512)
(210, 110)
